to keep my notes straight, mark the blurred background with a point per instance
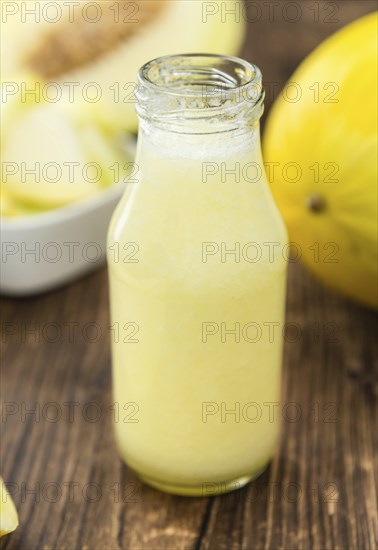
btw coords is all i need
(68, 82)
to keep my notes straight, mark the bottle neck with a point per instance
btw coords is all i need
(200, 94)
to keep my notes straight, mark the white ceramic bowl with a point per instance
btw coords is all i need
(42, 251)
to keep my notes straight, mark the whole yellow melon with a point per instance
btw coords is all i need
(320, 149)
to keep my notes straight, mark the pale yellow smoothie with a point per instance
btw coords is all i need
(194, 290)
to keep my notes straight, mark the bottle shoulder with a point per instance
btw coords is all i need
(199, 223)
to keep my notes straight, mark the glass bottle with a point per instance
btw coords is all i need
(197, 282)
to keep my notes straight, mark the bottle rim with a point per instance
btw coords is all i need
(144, 73)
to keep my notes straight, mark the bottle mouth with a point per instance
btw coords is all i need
(183, 74)
(199, 86)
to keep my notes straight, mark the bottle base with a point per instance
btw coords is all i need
(205, 489)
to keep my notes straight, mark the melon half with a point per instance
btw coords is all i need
(100, 49)
(8, 512)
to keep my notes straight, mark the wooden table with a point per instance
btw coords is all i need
(319, 491)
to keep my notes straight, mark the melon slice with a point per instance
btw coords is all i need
(49, 159)
(108, 52)
(8, 512)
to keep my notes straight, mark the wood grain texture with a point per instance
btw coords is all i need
(320, 489)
